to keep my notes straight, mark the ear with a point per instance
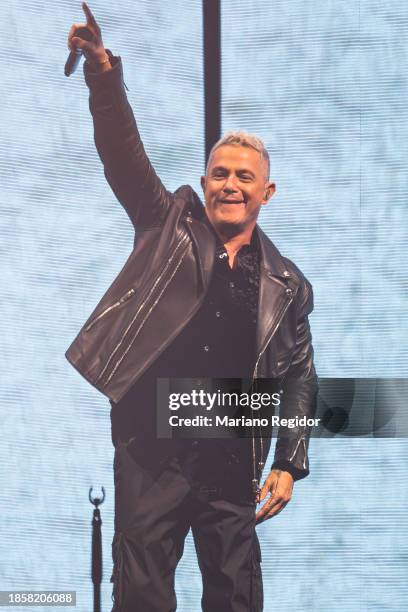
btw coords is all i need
(202, 181)
(270, 189)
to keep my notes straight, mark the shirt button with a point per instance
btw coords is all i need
(231, 284)
(206, 348)
(218, 314)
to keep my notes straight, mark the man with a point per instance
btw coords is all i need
(204, 293)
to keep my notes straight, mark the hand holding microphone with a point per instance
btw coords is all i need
(86, 39)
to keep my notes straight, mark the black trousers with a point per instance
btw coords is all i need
(154, 510)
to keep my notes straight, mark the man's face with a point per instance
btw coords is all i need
(235, 188)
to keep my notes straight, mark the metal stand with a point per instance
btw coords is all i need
(96, 549)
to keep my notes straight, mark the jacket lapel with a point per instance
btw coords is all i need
(204, 241)
(277, 287)
(202, 235)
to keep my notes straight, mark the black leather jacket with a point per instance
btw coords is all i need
(165, 278)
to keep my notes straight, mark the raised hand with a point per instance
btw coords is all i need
(93, 50)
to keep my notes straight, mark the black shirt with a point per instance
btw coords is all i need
(219, 341)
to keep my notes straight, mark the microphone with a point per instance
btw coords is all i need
(74, 56)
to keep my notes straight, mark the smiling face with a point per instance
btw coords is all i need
(235, 187)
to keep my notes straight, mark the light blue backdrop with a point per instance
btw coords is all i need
(324, 82)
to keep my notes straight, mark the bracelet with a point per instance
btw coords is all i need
(104, 61)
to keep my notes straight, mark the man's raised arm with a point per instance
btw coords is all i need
(126, 165)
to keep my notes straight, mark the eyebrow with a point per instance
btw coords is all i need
(217, 168)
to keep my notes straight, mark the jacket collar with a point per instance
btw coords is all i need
(272, 262)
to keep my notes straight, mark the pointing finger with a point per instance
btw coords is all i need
(90, 19)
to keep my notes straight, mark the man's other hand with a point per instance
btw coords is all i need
(93, 50)
(279, 485)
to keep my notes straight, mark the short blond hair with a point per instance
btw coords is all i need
(243, 139)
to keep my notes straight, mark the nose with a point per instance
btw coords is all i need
(230, 184)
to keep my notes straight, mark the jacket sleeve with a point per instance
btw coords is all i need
(126, 165)
(298, 397)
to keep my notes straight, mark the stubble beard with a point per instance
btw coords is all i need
(226, 228)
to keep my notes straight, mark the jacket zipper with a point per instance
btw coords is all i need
(301, 439)
(281, 315)
(104, 312)
(139, 311)
(257, 473)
